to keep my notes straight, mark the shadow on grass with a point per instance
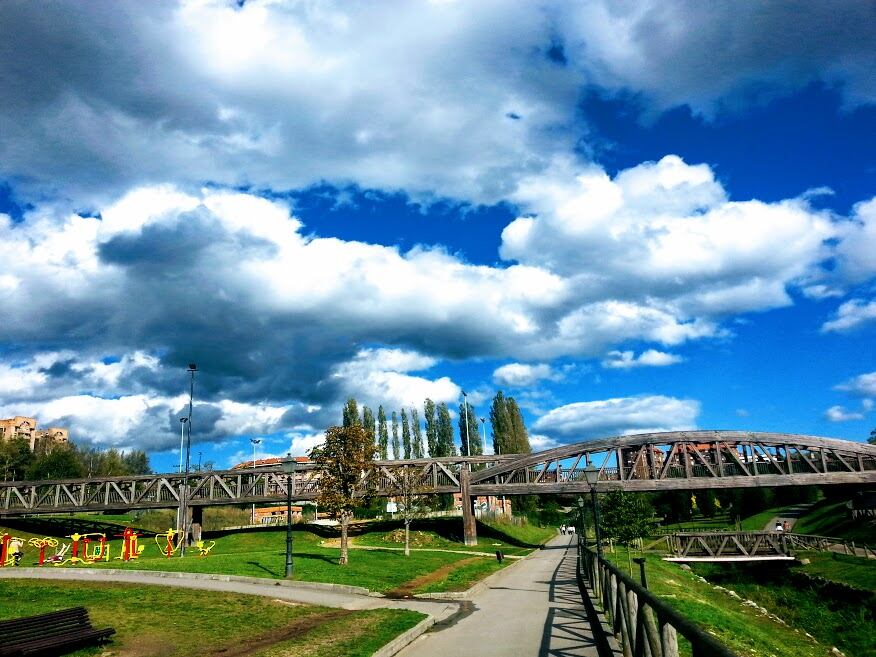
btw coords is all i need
(317, 557)
(261, 567)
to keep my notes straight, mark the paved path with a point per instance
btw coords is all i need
(440, 610)
(533, 609)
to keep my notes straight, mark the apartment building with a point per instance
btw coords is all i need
(26, 428)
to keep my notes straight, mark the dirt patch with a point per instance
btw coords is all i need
(246, 646)
(406, 590)
(145, 645)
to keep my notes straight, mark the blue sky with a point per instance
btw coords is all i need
(643, 217)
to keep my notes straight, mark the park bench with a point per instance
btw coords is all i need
(49, 634)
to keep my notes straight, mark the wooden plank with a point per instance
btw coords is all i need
(668, 462)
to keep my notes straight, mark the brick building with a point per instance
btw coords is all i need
(26, 428)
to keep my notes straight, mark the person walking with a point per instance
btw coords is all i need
(563, 529)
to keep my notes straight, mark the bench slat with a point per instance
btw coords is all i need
(45, 634)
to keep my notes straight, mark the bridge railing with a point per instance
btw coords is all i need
(642, 623)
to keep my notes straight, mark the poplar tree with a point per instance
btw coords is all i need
(444, 440)
(418, 435)
(396, 451)
(368, 422)
(382, 435)
(431, 427)
(501, 423)
(472, 445)
(351, 413)
(406, 434)
(518, 428)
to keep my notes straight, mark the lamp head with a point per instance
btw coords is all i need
(580, 502)
(184, 420)
(290, 464)
(193, 367)
(591, 474)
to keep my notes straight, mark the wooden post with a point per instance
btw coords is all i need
(469, 527)
(197, 522)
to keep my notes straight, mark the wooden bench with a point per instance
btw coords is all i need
(50, 634)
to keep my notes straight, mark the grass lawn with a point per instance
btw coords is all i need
(153, 620)
(758, 522)
(526, 535)
(830, 518)
(741, 628)
(854, 571)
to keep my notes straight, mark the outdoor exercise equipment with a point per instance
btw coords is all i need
(204, 549)
(169, 548)
(130, 549)
(10, 550)
(43, 543)
(100, 552)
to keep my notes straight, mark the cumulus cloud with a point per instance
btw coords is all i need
(453, 99)
(851, 315)
(618, 416)
(519, 375)
(863, 385)
(840, 414)
(624, 360)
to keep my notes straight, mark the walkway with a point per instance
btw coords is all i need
(532, 610)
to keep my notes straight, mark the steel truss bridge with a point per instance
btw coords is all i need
(679, 460)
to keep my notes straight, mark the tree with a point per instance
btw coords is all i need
(444, 427)
(501, 423)
(351, 413)
(626, 516)
(382, 435)
(346, 454)
(15, 458)
(470, 438)
(59, 463)
(396, 449)
(137, 462)
(410, 501)
(431, 427)
(417, 446)
(369, 422)
(406, 434)
(872, 438)
(520, 436)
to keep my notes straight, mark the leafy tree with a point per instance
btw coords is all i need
(444, 440)
(520, 441)
(345, 455)
(406, 434)
(501, 423)
(409, 498)
(625, 516)
(707, 503)
(369, 422)
(431, 427)
(396, 449)
(59, 463)
(351, 413)
(382, 435)
(417, 446)
(872, 438)
(15, 458)
(471, 443)
(136, 462)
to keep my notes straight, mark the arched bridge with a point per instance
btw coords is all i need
(678, 460)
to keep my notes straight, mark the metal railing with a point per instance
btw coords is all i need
(642, 623)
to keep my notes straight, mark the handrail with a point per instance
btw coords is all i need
(642, 622)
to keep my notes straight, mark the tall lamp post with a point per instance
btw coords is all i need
(591, 476)
(254, 441)
(184, 539)
(289, 466)
(465, 411)
(182, 441)
(583, 529)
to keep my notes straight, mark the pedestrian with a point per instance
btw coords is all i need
(563, 529)
(571, 529)
(779, 527)
(786, 526)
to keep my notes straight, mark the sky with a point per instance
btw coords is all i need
(629, 216)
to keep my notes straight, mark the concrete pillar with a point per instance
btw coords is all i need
(469, 527)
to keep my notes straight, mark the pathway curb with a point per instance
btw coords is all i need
(405, 638)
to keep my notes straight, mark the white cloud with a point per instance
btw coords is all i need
(840, 414)
(863, 385)
(624, 415)
(520, 375)
(851, 315)
(649, 358)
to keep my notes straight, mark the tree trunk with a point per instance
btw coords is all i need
(344, 521)
(407, 538)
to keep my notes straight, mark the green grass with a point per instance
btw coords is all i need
(153, 620)
(854, 571)
(525, 535)
(463, 577)
(741, 628)
(758, 522)
(831, 518)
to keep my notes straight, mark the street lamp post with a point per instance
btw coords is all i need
(254, 441)
(465, 411)
(591, 476)
(289, 468)
(182, 440)
(184, 538)
(583, 529)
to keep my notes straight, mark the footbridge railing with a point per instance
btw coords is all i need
(642, 623)
(728, 546)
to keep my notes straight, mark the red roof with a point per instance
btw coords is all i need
(260, 463)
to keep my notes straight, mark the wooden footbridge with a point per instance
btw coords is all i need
(729, 546)
(678, 460)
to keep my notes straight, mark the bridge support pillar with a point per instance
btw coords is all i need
(469, 527)
(197, 522)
